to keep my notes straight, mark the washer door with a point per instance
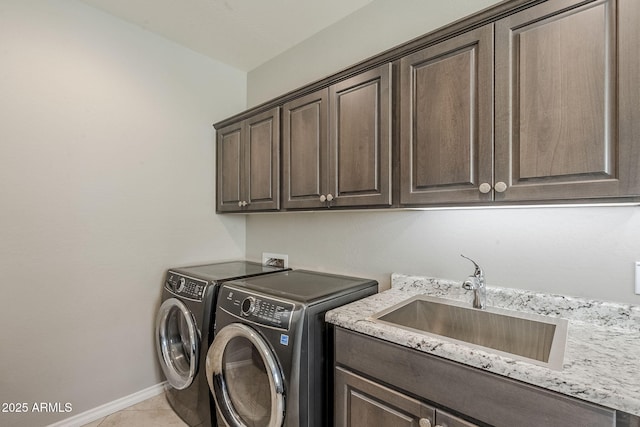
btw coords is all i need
(245, 378)
(178, 342)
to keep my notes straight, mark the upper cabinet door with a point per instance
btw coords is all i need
(558, 128)
(262, 161)
(446, 132)
(360, 140)
(248, 164)
(229, 168)
(305, 150)
(629, 96)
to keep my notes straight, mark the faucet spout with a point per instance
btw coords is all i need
(476, 284)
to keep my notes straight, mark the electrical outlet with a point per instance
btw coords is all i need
(275, 260)
(638, 277)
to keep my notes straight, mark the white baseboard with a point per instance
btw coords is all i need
(111, 407)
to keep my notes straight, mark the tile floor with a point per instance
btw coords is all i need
(154, 412)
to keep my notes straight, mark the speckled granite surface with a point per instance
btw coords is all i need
(602, 358)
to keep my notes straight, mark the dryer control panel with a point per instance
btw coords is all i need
(185, 286)
(256, 308)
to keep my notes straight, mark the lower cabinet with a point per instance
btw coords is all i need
(363, 403)
(378, 383)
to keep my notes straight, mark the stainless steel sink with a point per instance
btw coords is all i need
(537, 339)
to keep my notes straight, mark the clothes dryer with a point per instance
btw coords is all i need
(183, 332)
(270, 363)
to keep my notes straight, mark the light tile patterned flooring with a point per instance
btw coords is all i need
(154, 412)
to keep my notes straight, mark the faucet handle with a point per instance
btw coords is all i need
(471, 283)
(478, 272)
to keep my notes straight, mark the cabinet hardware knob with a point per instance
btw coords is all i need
(323, 198)
(501, 187)
(245, 203)
(240, 204)
(329, 197)
(424, 422)
(485, 187)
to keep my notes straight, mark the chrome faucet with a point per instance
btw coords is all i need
(475, 283)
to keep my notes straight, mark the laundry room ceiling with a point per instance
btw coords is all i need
(241, 33)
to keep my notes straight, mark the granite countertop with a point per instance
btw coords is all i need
(602, 357)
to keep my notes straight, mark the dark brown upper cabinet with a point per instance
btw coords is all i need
(562, 124)
(248, 164)
(446, 124)
(528, 101)
(336, 144)
(305, 150)
(567, 107)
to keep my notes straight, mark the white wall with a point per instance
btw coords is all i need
(379, 26)
(106, 180)
(585, 252)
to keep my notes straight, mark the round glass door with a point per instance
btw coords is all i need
(177, 343)
(245, 378)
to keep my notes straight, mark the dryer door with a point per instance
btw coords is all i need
(177, 342)
(245, 378)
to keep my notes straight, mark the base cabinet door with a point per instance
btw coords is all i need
(564, 117)
(444, 419)
(360, 402)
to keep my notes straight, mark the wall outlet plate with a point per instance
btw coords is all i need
(638, 277)
(275, 260)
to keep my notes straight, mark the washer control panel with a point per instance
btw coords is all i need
(256, 308)
(185, 286)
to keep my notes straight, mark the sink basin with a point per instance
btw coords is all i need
(537, 339)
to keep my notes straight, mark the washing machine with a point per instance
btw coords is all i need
(183, 332)
(271, 361)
